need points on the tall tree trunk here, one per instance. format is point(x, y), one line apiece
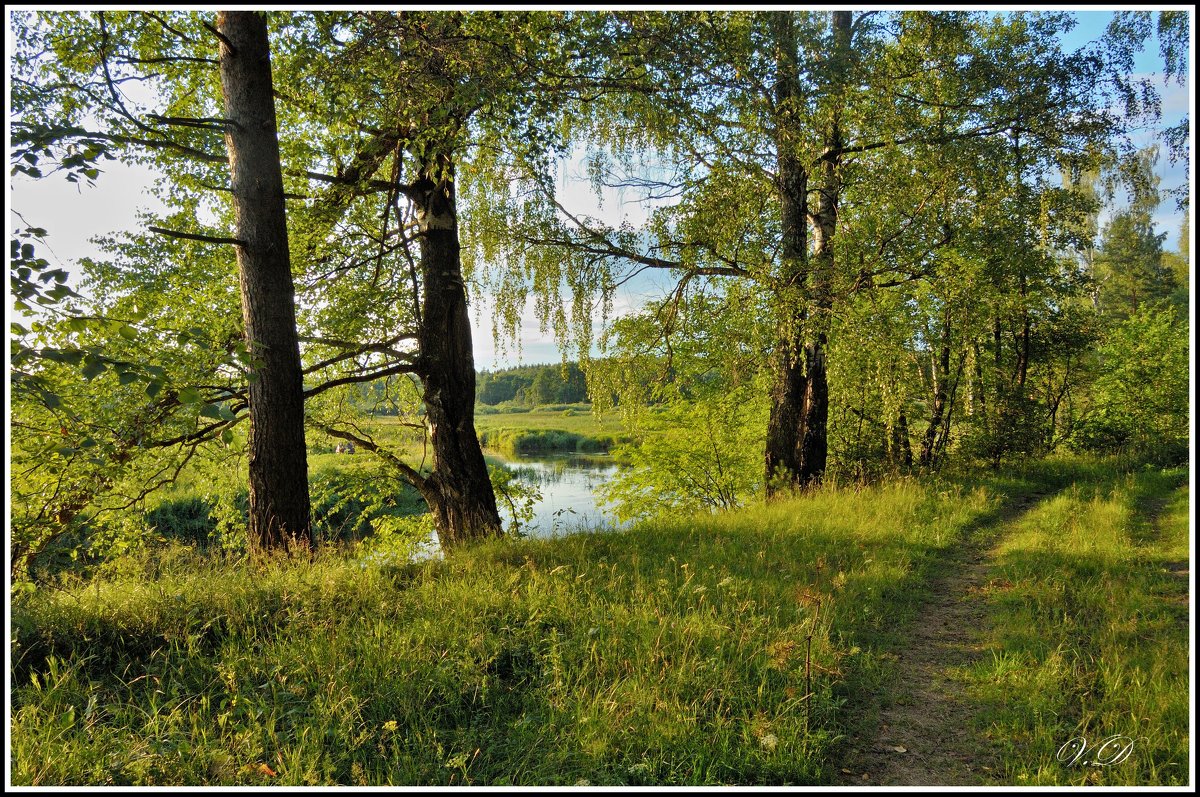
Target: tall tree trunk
point(899, 448)
point(783, 444)
point(814, 443)
point(941, 373)
point(1023, 345)
point(458, 491)
point(279, 502)
point(797, 439)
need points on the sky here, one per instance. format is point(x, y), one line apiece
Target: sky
point(74, 214)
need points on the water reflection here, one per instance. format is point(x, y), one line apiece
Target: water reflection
point(568, 505)
point(568, 484)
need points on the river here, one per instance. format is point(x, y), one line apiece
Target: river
point(569, 503)
point(568, 485)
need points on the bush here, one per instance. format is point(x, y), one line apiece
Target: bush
point(1141, 398)
point(345, 504)
point(184, 519)
point(540, 441)
point(692, 456)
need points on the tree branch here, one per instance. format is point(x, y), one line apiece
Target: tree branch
point(221, 36)
point(209, 123)
point(210, 239)
point(409, 473)
point(400, 368)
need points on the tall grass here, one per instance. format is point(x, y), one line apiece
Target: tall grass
point(670, 653)
point(518, 441)
point(1090, 636)
point(577, 419)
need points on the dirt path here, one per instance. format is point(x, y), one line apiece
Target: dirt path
point(926, 737)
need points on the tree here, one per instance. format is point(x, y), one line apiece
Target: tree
point(94, 56)
point(1180, 266)
point(279, 505)
point(543, 390)
point(458, 490)
point(773, 132)
point(347, 335)
point(427, 97)
point(1141, 400)
point(1130, 270)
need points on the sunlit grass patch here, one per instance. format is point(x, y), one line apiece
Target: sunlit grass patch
point(1090, 637)
point(671, 653)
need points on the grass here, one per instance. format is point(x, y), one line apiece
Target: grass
point(577, 419)
point(549, 430)
point(670, 653)
point(571, 428)
point(1090, 635)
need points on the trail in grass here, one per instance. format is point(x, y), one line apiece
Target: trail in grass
point(926, 737)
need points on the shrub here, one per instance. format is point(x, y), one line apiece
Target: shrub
point(345, 504)
point(1141, 398)
point(184, 519)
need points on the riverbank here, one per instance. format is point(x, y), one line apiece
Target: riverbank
point(568, 429)
point(671, 653)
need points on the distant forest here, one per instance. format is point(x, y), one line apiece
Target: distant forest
point(524, 386)
point(532, 385)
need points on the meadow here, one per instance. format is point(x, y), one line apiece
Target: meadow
point(750, 647)
point(567, 428)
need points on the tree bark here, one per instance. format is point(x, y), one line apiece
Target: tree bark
point(814, 443)
point(1023, 345)
point(940, 373)
point(797, 438)
point(899, 448)
point(458, 491)
point(279, 501)
point(783, 444)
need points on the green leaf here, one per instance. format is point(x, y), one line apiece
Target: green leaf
point(211, 411)
point(127, 332)
point(227, 436)
point(92, 369)
point(190, 395)
point(128, 377)
point(153, 387)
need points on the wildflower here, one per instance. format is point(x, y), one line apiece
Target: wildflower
point(390, 725)
point(769, 742)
